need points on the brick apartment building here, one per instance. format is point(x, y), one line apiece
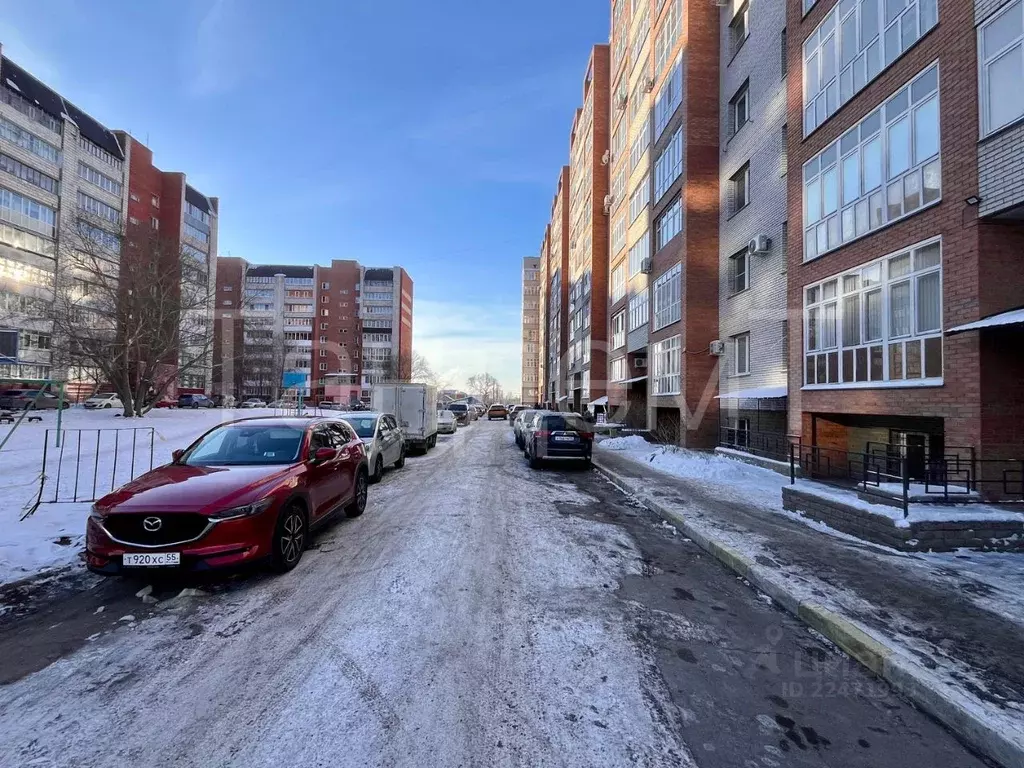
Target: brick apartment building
point(906, 211)
point(529, 384)
point(162, 203)
point(555, 304)
point(345, 326)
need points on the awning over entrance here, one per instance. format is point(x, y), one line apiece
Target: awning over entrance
point(759, 393)
point(632, 381)
point(1013, 317)
point(600, 401)
point(563, 398)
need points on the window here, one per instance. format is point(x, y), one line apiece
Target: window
point(784, 151)
point(669, 98)
point(739, 189)
point(853, 43)
point(738, 272)
point(881, 322)
point(668, 299)
point(669, 224)
point(642, 31)
point(99, 152)
point(668, 35)
point(741, 354)
point(739, 29)
point(641, 141)
point(323, 366)
point(155, 201)
point(323, 326)
point(618, 143)
point(618, 282)
point(665, 366)
point(618, 330)
point(639, 310)
point(619, 370)
point(784, 43)
point(135, 197)
point(21, 171)
point(96, 208)
point(325, 313)
point(194, 211)
point(640, 198)
point(619, 234)
point(885, 167)
point(640, 251)
point(739, 109)
point(154, 222)
point(28, 108)
point(26, 140)
point(669, 165)
point(196, 233)
point(1001, 61)
point(25, 212)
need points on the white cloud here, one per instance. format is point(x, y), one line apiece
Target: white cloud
point(460, 339)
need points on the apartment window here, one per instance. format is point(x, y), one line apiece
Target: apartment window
point(642, 31)
point(21, 171)
point(640, 198)
point(669, 224)
point(882, 169)
point(155, 201)
point(154, 222)
point(134, 221)
point(639, 310)
point(881, 322)
point(784, 52)
point(638, 253)
point(669, 98)
point(323, 326)
point(738, 265)
point(741, 354)
point(25, 212)
point(853, 43)
point(739, 109)
point(135, 197)
point(619, 234)
point(324, 299)
point(325, 313)
point(619, 330)
point(668, 36)
point(323, 367)
point(739, 189)
point(1001, 61)
point(784, 151)
point(196, 234)
point(668, 300)
point(196, 213)
point(666, 359)
point(739, 29)
point(618, 370)
point(99, 152)
point(619, 138)
point(640, 144)
point(669, 165)
point(97, 208)
point(27, 140)
point(323, 353)
point(618, 282)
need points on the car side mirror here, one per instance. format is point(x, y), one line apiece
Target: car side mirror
point(176, 455)
point(324, 454)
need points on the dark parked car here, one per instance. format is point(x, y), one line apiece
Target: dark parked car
point(20, 399)
point(195, 401)
point(462, 413)
point(245, 492)
point(558, 437)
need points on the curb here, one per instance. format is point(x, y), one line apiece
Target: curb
point(906, 677)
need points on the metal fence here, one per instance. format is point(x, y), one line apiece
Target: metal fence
point(770, 445)
point(90, 463)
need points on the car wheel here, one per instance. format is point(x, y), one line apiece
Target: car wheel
point(358, 505)
point(108, 405)
point(378, 469)
point(534, 461)
point(289, 540)
point(400, 462)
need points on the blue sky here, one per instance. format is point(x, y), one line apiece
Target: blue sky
point(422, 134)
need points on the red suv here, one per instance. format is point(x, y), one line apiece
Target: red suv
point(247, 491)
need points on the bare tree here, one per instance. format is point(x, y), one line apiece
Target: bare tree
point(423, 372)
point(487, 387)
point(138, 320)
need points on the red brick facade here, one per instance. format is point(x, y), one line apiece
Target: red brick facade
point(335, 291)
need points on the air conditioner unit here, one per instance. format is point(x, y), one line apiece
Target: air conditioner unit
point(760, 244)
point(640, 362)
point(645, 266)
point(609, 200)
point(649, 84)
point(606, 157)
point(717, 348)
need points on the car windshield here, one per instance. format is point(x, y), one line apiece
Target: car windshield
point(246, 445)
point(445, 415)
point(363, 425)
point(458, 408)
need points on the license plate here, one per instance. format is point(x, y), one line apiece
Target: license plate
point(151, 559)
point(564, 439)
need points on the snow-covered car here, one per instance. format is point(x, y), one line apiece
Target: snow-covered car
point(253, 402)
point(446, 424)
point(521, 424)
point(23, 399)
point(382, 438)
point(104, 400)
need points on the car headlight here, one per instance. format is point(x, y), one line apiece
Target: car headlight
point(95, 512)
point(244, 511)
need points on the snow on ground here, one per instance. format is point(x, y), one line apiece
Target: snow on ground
point(53, 536)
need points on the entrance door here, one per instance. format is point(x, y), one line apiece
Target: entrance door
point(913, 446)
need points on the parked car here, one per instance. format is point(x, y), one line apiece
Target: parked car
point(194, 401)
point(558, 437)
point(165, 404)
point(21, 399)
point(513, 410)
point(476, 411)
point(328, 405)
point(497, 411)
point(104, 400)
point(253, 402)
point(462, 414)
point(382, 439)
point(224, 401)
point(249, 491)
point(521, 424)
point(446, 423)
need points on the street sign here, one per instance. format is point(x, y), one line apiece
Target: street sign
point(294, 379)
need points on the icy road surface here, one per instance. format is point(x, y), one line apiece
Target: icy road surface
point(478, 614)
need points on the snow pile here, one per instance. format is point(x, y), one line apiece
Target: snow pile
point(631, 442)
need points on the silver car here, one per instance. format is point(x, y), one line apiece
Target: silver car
point(382, 439)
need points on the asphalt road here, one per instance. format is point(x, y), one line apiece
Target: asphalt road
point(478, 614)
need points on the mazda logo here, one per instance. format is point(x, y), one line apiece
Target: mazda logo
point(152, 524)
